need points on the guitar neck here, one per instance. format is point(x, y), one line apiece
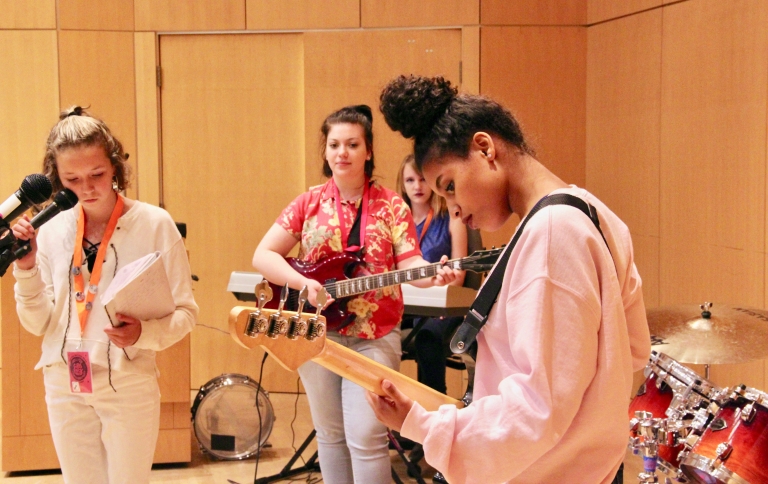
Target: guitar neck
point(369, 374)
point(359, 285)
point(292, 353)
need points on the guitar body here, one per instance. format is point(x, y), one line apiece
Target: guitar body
point(329, 270)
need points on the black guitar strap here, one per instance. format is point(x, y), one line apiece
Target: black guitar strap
point(464, 338)
point(354, 232)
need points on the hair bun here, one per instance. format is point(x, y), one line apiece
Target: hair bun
point(413, 104)
point(72, 111)
point(365, 110)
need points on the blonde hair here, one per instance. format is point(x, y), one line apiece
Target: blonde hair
point(439, 207)
point(77, 128)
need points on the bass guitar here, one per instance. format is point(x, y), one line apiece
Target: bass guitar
point(340, 276)
point(295, 337)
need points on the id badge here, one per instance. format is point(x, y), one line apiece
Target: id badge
point(79, 372)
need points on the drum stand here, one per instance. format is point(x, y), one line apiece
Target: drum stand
point(646, 428)
point(312, 465)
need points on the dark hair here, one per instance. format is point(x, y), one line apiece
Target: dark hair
point(76, 128)
point(441, 121)
point(359, 114)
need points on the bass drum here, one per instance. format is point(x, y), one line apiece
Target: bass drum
point(228, 422)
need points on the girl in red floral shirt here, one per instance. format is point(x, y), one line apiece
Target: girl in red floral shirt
point(352, 444)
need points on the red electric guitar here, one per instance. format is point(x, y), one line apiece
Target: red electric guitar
point(341, 277)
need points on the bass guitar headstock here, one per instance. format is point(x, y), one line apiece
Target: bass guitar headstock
point(291, 337)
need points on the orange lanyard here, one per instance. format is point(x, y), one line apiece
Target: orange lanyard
point(85, 298)
point(426, 225)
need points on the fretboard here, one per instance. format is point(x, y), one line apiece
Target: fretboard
point(359, 285)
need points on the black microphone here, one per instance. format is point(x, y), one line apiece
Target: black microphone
point(35, 188)
point(64, 200)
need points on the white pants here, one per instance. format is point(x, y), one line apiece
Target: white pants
point(351, 444)
point(106, 436)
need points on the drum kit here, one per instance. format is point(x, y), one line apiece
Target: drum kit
point(232, 417)
point(687, 429)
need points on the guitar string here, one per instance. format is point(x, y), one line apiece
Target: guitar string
point(391, 279)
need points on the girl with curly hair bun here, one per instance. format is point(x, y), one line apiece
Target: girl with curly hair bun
point(556, 355)
point(346, 213)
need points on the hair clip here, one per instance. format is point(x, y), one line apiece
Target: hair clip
point(77, 111)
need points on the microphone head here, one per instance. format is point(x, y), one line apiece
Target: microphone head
point(36, 187)
point(65, 199)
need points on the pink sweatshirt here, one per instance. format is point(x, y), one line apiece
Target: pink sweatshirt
point(555, 361)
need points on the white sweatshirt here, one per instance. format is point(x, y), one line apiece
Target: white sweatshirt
point(45, 294)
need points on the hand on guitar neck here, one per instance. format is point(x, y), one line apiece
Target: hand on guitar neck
point(340, 276)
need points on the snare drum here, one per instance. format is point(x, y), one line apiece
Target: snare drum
point(734, 447)
point(674, 396)
point(228, 423)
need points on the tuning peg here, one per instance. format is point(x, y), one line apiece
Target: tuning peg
point(257, 323)
point(277, 323)
point(315, 327)
point(297, 327)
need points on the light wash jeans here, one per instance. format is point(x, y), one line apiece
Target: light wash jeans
point(106, 436)
point(352, 445)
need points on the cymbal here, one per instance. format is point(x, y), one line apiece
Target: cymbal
point(709, 334)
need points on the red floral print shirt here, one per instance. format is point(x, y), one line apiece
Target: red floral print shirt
point(390, 237)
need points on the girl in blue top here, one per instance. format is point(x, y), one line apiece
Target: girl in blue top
point(438, 233)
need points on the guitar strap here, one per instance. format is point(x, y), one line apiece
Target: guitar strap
point(463, 340)
point(354, 232)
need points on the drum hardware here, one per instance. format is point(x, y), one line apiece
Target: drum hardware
point(278, 325)
point(730, 450)
point(257, 323)
point(708, 334)
point(232, 417)
point(667, 417)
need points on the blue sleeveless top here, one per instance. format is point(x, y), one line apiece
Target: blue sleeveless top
point(437, 241)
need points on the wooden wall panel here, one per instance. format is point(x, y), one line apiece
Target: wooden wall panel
point(96, 14)
point(623, 118)
point(97, 70)
point(539, 73)
point(333, 82)
point(302, 14)
point(233, 148)
point(713, 160)
point(419, 13)
point(147, 159)
point(29, 102)
point(29, 14)
point(470, 60)
point(602, 10)
point(533, 12)
point(169, 15)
